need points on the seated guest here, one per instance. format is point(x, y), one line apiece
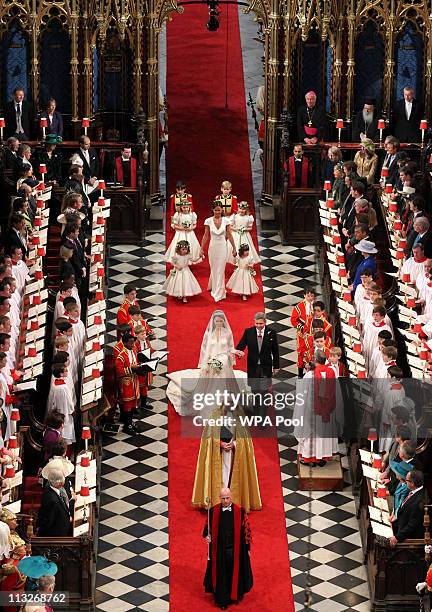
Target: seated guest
point(55, 120)
point(367, 160)
point(54, 520)
point(311, 120)
point(51, 158)
point(391, 145)
point(334, 156)
point(299, 168)
point(409, 522)
point(90, 160)
point(346, 198)
point(126, 168)
point(407, 114)
point(353, 257)
point(15, 235)
point(365, 123)
point(10, 150)
point(416, 208)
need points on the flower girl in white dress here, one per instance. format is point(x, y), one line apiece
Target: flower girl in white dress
point(241, 227)
point(181, 283)
point(184, 224)
point(242, 279)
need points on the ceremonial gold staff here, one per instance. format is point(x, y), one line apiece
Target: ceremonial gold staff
point(208, 502)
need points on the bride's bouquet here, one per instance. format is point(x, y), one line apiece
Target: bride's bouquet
point(215, 365)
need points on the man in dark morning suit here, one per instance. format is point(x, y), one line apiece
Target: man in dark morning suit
point(391, 145)
point(407, 114)
point(54, 118)
point(90, 160)
point(19, 116)
point(10, 153)
point(14, 235)
point(409, 522)
point(54, 520)
point(262, 358)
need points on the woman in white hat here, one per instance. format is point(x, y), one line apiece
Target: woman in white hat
point(368, 250)
point(366, 160)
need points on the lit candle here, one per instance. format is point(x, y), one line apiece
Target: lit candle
point(43, 123)
point(339, 127)
point(85, 124)
point(327, 188)
point(423, 127)
point(42, 170)
point(381, 127)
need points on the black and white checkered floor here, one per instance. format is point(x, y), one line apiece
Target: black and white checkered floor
point(133, 563)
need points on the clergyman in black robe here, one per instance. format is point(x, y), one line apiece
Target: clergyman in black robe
point(229, 572)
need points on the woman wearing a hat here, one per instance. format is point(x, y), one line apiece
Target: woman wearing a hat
point(366, 160)
point(400, 469)
point(368, 250)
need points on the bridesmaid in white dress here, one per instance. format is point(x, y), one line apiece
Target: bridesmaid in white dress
point(217, 229)
point(184, 224)
point(181, 283)
point(241, 227)
point(242, 281)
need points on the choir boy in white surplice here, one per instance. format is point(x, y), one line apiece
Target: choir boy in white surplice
point(376, 358)
point(414, 266)
point(366, 279)
point(315, 410)
point(78, 337)
point(60, 399)
point(371, 331)
point(393, 396)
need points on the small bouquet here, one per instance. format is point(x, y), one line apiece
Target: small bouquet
point(215, 364)
point(241, 231)
point(186, 224)
point(252, 272)
point(173, 272)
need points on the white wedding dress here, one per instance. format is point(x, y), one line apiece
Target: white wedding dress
point(187, 388)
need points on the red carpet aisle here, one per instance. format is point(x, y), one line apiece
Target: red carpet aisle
point(208, 144)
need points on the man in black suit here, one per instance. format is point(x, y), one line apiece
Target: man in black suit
point(391, 145)
point(90, 160)
point(10, 153)
point(14, 236)
point(366, 122)
point(262, 359)
point(55, 519)
point(19, 116)
point(407, 114)
point(55, 120)
point(409, 522)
